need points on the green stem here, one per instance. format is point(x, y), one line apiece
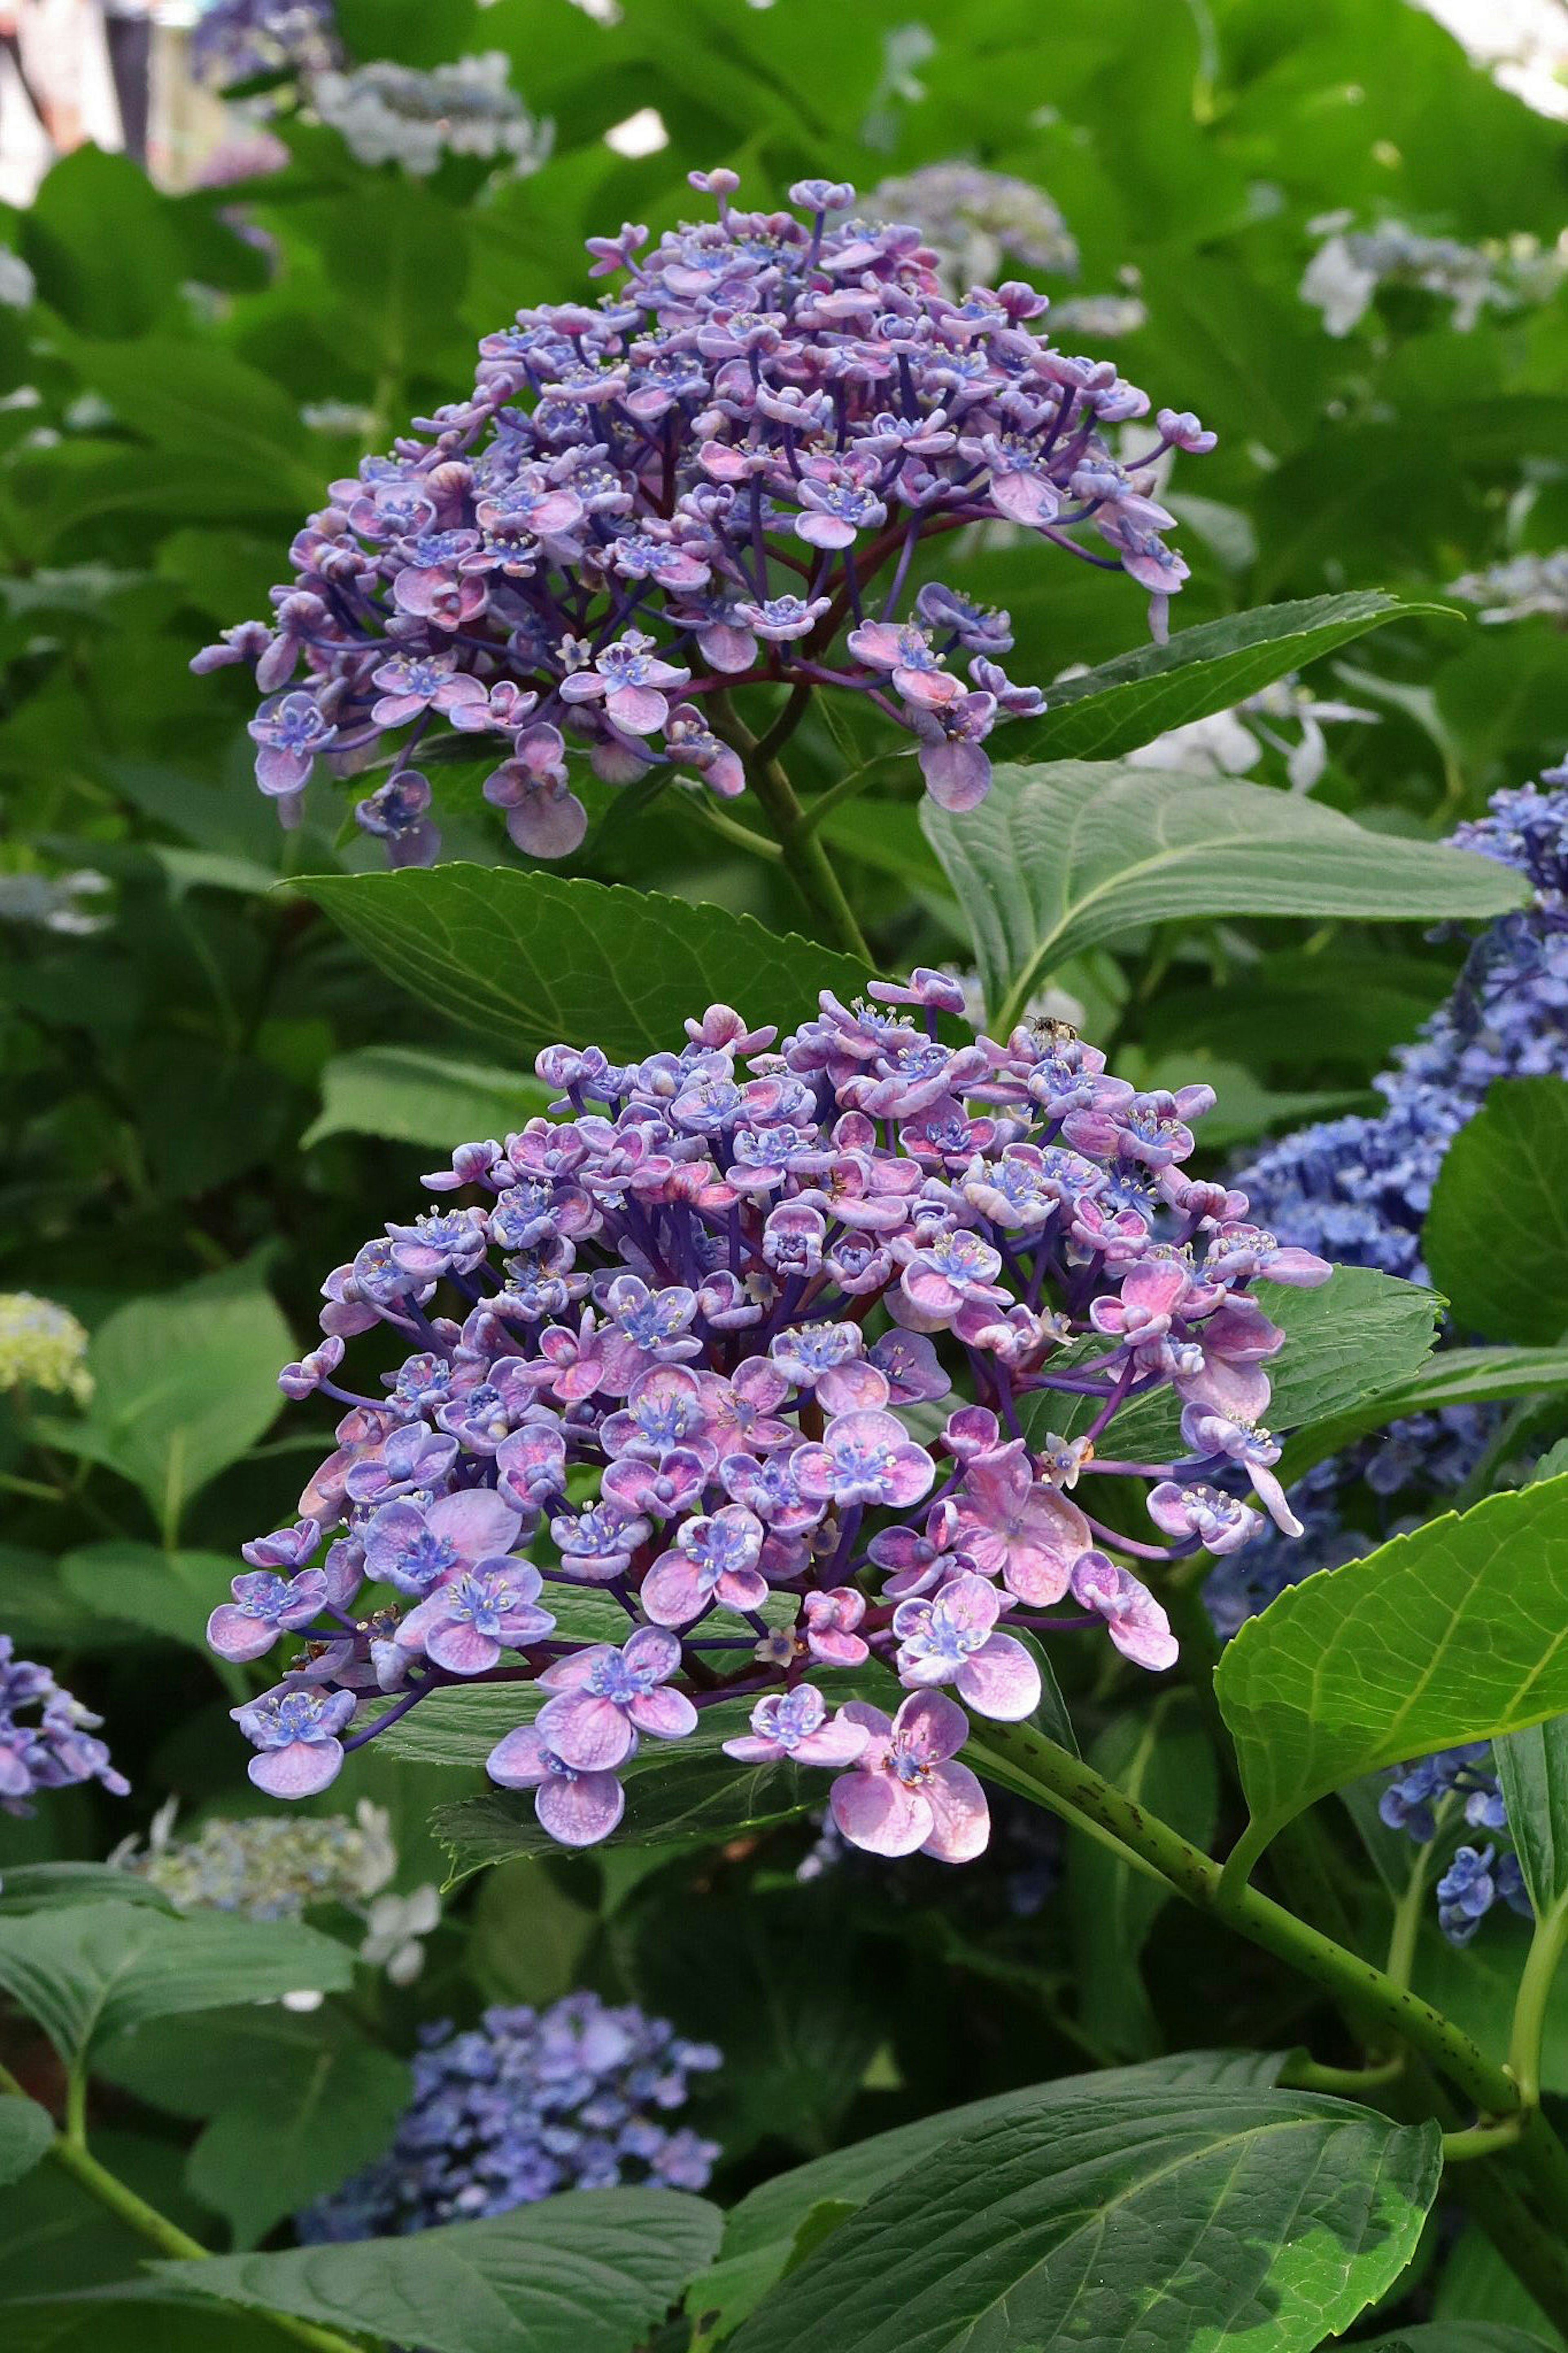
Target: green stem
point(68, 2150)
point(1067, 1785)
point(1481, 2140)
point(806, 861)
point(1301, 2074)
point(1546, 1949)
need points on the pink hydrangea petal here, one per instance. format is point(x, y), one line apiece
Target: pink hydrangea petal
point(233, 1633)
point(835, 1744)
point(479, 1522)
point(1001, 1680)
point(672, 1593)
point(748, 1748)
point(931, 1727)
point(572, 1672)
point(652, 1648)
point(642, 710)
point(668, 1715)
point(960, 1815)
point(301, 1770)
point(877, 1813)
point(589, 1734)
point(458, 1645)
point(741, 1589)
point(517, 1760)
point(582, 1811)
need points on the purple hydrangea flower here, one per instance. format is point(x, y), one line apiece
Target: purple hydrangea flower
point(527, 2104)
point(662, 1349)
point(717, 477)
point(46, 1736)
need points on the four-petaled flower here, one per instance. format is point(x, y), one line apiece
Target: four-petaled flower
point(904, 1794)
point(604, 1697)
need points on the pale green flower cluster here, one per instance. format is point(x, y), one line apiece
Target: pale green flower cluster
point(42, 1346)
point(269, 1866)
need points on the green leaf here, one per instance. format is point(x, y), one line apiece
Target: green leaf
point(1495, 1236)
point(172, 1594)
point(1452, 1377)
point(185, 1384)
point(1456, 2337)
point(1057, 860)
point(1478, 2287)
point(25, 2132)
point(1433, 1639)
point(1162, 1758)
point(1477, 1985)
point(48, 1886)
point(293, 2104)
point(1191, 2223)
point(1353, 1338)
point(1532, 1767)
point(590, 2272)
point(760, 2234)
point(185, 395)
point(532, 959)
point(1127, 702)
point(97, 1969)
point(413, 1095)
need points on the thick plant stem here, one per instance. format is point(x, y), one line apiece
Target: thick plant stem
point(1541, 1967)
point(806, 861)
point(72, 2156)
point(1036, 1767)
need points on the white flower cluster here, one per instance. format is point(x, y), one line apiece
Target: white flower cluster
point(1231, 742)
point(389, 113)
point(1519, 587)
point(17, 285)
point(42, 1346)
point(1347, 269)
point(50, 901)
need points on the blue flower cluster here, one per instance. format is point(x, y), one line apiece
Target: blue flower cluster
point(48, 1749)
point(1357, 1190)
point(526, 2103)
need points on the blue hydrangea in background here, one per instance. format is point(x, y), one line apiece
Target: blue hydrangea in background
point(1357, 1190)
point(528, 2103)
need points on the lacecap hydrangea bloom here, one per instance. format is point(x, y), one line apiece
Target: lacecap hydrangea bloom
point(265, 1866)
point(975, 220)
point(389, 113)
point(1358, 1190)
point(42, 1346)
point(1519, 588)
point(47, 1737)
point(524, 2105)
point(1348, 268)
point(768, 1352)
point(717, 476)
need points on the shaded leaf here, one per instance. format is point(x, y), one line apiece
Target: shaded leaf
point(1495, 1236)
point(25, 2132)
point(414, 1095)
point(1532, 1767)
point(1452, 1377)
point(532, 959)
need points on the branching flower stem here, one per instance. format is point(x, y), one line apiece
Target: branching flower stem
point(68, 2150)
point(808, 862)
point(1025, 1762)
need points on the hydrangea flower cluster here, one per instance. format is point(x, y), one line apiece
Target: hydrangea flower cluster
point(264, 1866)
point(975, 222)
point(1358, 1189)
point(526, 2103)
point(46, 1736)
point(235, 40)
point(389, 113)
point(52, 903)
point(717, 476)
point(761, 1349)
point(1519, 588)
point(1345, 273)
point(42, 1346)
point(1417, 1799)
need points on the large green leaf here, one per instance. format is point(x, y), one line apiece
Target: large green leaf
point(1495, 1236)
point(96, 1969)
point(293, 2102)
point(1059, 858)
point(591, 2272)
point(760, 2233)
point(1532, 1767)
point(1456, 2337)
point(1457, 1632)
point(1160, 1757)
point(414, 1095)
point(1452, 1377)
point(1260, 2219)
point(1110, 710)
point(531, 958)
point(165, 1593)
point(1478, 2288)
point(25, 2132)
point(185, 1384)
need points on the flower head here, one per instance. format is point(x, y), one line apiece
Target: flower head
point(699, 482)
